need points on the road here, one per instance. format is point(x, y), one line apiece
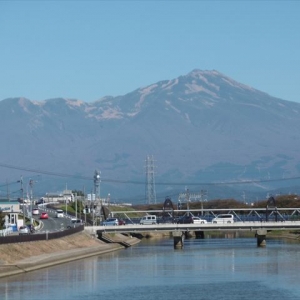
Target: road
point(52, 223)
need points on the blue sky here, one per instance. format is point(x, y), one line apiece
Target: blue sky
point(90, 49)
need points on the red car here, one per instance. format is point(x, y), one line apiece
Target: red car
point(44, 215)
point(121, 222)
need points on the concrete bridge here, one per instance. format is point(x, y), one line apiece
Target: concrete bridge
point(259, 228)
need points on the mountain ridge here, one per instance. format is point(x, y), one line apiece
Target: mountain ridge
point(193, 125)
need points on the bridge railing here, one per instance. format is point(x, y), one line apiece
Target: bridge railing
point(240, 214)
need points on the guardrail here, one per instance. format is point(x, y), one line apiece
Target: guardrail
point(40, 236)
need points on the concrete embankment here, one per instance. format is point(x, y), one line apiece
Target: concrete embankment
point(24, 257)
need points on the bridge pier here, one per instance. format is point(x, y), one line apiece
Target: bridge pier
point(261, 237)
point(178, 237)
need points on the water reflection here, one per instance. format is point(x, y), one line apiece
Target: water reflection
point(232, 266)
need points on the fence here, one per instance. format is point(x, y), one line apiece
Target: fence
point(39, 236)
point(6, 231)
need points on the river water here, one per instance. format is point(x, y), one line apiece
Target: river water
point(211, 268)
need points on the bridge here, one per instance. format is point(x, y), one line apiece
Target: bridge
point(260, 229)
point(240, 214)
point(258, 220)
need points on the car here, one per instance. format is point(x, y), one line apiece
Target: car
point(44, 215)
point(76, 221)
point(148, 220)
point(110, 221)
point(197, 220)
point(35, 211)
point(185, 220)
point(24, 230)
point(59, 213)
point(40, 201)
point(121, 222)
point(191, 220)
point(223, 219)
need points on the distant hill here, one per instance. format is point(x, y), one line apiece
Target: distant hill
point(203, 129)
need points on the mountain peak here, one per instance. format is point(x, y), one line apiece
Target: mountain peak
point(214, 76)
point(197, 72)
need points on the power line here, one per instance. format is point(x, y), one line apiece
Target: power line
point(141, 182)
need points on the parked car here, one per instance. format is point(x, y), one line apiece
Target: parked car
point(110, 221)
point(44, 215)
point(24, 230)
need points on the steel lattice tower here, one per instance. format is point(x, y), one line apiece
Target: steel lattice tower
point(150, 182)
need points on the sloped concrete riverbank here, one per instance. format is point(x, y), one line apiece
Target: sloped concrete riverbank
point(19, 258)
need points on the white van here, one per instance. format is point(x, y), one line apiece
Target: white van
point(59, 213)
point(148, 220)
point(223, 219)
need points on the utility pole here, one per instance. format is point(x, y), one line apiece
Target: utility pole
point(31, 199)
point(22, 197)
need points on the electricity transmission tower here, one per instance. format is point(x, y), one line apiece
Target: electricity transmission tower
point(150, 182)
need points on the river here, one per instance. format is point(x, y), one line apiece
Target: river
point(211, 268)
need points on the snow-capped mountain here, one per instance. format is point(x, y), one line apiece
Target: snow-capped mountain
point(202, 128)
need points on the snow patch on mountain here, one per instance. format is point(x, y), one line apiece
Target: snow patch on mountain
point(23, 104)
point(170, 84)
point(112, 113)
point(235, 84)
point(187, 117)
point(169, 105)
point(195, 88)
point(200, 75)
point(74, 102)
point(144, 93)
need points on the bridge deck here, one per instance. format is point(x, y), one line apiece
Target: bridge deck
point(237, 226)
